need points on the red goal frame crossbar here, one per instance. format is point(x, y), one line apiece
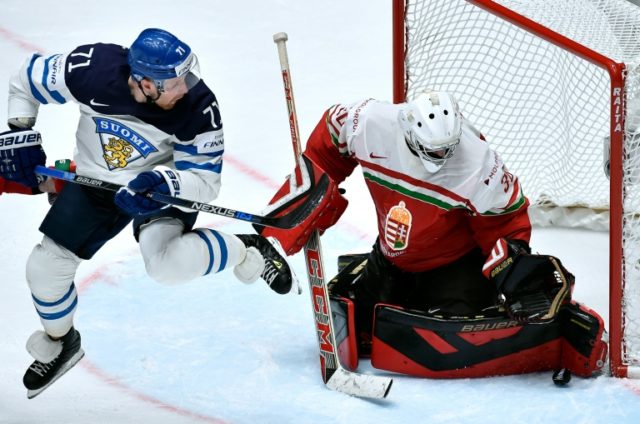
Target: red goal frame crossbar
point(618, 97)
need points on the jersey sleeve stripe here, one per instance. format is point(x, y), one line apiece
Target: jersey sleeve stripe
point(522, 201)
point(183, 165)
point(516, 193)
point(54, 94)
point(42, 75)
point(336, 117)
point(193, 150)
point(36, 94)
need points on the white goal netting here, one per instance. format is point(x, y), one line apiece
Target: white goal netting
point(544, 109)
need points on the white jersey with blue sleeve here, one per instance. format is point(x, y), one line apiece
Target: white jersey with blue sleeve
point(117, 137)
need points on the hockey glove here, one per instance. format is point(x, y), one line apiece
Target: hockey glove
point(290, 197)
point(20, 152)
point(132, 199)
point(532, 287)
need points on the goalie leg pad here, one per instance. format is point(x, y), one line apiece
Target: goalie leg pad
point(584, 350)
point(342, 296)
point(419, 344)
point(344, 326)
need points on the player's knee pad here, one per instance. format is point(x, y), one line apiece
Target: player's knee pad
point(50, 272)
point(175, 261)
point(172, 257)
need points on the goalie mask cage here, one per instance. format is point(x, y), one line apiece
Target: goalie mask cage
point(555, 88)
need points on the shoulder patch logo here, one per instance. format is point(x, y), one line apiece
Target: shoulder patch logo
point(397, 227)
point(121, 145)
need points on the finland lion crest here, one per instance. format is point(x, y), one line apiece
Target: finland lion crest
point(120, 144)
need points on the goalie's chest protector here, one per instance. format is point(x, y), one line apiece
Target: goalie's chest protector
point(422, 217)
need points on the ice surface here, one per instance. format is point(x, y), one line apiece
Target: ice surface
point(215, 350)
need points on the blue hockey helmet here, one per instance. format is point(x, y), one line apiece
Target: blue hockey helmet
point(159, 55)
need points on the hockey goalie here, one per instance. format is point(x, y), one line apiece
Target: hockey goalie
point(451, 287)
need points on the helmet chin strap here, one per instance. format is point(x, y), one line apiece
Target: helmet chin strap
point(150, 100)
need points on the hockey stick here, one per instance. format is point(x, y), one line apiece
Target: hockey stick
point(334, 375)
point(286, 221)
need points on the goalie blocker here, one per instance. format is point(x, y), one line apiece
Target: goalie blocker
point(292, 196)
point(428, 345)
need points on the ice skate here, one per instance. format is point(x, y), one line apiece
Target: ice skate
point(53, 358)
point(276, 272)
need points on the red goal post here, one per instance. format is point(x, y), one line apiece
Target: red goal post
point(548, 82)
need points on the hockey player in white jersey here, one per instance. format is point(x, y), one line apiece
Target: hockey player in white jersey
point(451, 288)
point(149, 122)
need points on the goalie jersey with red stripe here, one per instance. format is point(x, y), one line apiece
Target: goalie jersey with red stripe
point(117, 137)
point(425, 220)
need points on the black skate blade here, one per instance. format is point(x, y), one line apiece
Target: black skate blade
point(63, 370)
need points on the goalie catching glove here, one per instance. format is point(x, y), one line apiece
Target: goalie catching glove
point(290, 197)
point(532, 287)
point(20, 152)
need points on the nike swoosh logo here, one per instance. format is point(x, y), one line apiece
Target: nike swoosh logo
point(374, 156)
point(92, 102)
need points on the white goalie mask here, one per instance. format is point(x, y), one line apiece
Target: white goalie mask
point(432, 127)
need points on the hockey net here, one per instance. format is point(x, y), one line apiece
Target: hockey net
point(555, 88)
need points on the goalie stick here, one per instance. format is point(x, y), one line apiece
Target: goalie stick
point(286, 221)
point(334, 375)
